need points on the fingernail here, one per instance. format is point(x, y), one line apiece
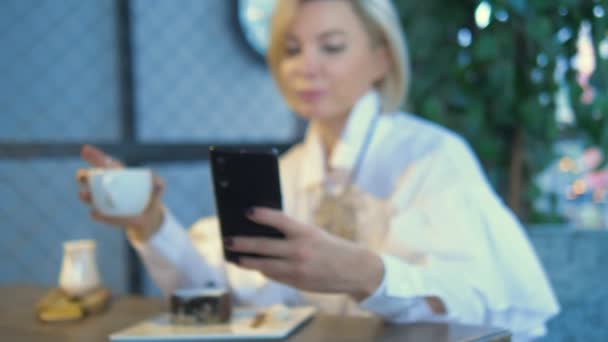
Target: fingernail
point(157, 187)
point(228, 241)
point(250, 211)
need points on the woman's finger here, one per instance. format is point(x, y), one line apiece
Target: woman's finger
point(113, 220)
point(98, 158)
point(85, 196)
point(273, 268)
point(158, 187)
point(82, 177)
point(261, 246)
point(275, 218)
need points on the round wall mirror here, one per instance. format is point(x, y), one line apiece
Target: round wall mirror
point(254, 19)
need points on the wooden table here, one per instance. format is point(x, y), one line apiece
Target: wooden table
point(18, 323)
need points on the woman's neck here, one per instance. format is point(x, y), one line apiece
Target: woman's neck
point(329, 133)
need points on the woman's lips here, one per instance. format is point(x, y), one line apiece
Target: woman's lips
point(310, 95)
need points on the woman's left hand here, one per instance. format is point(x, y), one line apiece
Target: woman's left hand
point(309, 258)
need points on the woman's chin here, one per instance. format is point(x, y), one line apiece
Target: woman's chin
point(312, 112)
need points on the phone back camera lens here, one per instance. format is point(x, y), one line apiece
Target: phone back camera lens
point(224, 184)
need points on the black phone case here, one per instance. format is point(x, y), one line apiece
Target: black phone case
point(243, 179)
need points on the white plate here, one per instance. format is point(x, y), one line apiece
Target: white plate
point(160, 328)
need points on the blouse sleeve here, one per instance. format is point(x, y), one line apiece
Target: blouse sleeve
point(455, 239)
point(179, 258)
point(173, 260)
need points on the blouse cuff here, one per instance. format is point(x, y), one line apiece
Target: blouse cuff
point(377, 298)
point(166, 241)
point(397, 307)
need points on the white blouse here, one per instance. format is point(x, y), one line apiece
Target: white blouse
point(426, 209)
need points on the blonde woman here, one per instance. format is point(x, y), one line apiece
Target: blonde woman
point(385, 214)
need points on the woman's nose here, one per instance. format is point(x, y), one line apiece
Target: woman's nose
point(308, 63)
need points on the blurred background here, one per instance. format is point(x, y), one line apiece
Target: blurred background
point(155, 82)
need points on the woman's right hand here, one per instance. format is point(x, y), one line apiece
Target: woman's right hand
point(139, 228)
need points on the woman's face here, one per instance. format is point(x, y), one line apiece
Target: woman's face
point(330, 61)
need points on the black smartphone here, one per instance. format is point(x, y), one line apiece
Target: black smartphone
point(243, 178)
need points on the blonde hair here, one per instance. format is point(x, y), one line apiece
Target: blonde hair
point(381, 22)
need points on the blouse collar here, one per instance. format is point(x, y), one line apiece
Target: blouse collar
point(348, 146)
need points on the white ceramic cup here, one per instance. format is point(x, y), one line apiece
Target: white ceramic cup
point(120, 192)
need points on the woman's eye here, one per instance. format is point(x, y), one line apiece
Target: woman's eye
point(335, 48)
point(292, 50)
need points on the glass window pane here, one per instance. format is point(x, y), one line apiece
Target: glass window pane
point(59, 69)
point(196, 80)
point(40, 210)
